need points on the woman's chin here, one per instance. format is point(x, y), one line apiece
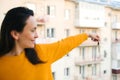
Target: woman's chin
point(31, 46)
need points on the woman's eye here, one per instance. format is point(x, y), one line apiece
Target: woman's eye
point(32, 30)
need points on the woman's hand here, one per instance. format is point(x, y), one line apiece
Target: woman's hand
point(94, 37)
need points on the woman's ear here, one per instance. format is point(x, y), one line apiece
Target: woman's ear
point(15, 34)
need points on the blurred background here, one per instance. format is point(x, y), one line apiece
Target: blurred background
point(58, 19)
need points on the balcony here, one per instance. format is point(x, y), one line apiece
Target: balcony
point(85, 18)
point(116, 71)
point(115, 40)
point(89, 42)
point(116, 25)
point(96, 60)
point(116, 50)
point(41, 21)
point(80, 23)
point(88, 78)
point(116, 66)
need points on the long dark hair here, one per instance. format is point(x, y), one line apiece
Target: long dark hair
point(15, 19)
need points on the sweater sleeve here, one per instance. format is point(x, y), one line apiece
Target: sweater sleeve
point(54, 51)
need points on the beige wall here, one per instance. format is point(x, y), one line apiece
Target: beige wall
point(60, 24)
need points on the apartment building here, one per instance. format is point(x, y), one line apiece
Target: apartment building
point(115, 15)
point(92, 17)
point(64, 18)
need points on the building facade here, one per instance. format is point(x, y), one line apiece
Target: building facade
point(58, 19)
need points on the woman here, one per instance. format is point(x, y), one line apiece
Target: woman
point(20, 57)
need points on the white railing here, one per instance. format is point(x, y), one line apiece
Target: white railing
point(90, 61)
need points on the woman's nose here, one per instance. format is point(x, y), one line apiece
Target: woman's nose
point(36, 35)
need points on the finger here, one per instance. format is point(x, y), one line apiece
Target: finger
point(97, 36)
point(95, 39)
point(98, 43)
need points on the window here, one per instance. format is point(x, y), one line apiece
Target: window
point(116, 35)
point(82, 71)
point(50, 32)
point(66, 71)
point(105, 54)
point(94, 69)
point(67, 14)
point(105, 24)
point(94, 31)
point(115, 77)
point(115, 19)
point(48, 10)
point(82, 30)
point(94, 53)
point(105, 72)
point(51, 10)
point(118, 65)
point(80, 51)
point(83, 53)
point(67, 32)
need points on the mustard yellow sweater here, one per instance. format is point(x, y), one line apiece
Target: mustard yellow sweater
point(19, 68)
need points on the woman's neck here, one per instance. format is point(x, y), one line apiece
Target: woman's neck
point(15, 51)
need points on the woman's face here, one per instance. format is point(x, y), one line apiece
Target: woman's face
point(27, 37)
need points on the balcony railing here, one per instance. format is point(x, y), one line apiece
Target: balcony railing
point(97, 77)
point(116, 50)
point(42, 20)
point(116, 71)
point(88, 23)
point(87, 62)
point(89, 42)
point(116, 25)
